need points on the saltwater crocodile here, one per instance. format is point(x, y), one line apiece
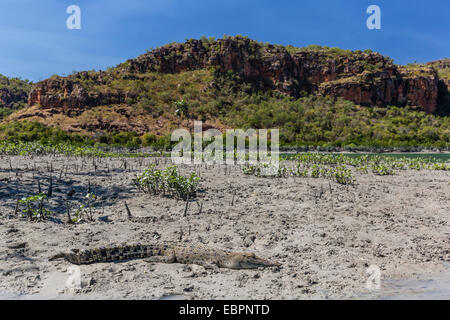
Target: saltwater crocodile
point(168, 253)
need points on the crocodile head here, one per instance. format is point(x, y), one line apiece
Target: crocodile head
point(247, 261)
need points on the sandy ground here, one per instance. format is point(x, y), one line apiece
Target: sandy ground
point(325, 235)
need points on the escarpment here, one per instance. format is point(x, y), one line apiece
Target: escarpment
point(366, 78)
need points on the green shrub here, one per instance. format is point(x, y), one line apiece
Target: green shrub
point(128, 139)
point(168, 182)
point(34, 207)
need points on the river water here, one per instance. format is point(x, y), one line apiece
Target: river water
point(412, 289)
point(400, 289)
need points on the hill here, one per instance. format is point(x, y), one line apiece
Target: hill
point(315, 95)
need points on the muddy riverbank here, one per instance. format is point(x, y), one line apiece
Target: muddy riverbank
point(324, 234)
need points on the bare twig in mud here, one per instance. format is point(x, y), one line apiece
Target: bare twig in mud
point(232, 200)
point(50, 186)
point(29, 211)
point(200, 206)
point(90, 210)
point(16, 209)
point(60, 174)
point(128, 210)
point(39, 187)
point(181, 234)
point(71, 192)
point(69, 218)
point(41, 206)
point(186, 208)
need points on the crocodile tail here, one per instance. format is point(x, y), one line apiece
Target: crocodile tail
point(117, 253)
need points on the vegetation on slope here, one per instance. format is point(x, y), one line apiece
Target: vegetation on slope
point(157, 103)
point(13, 94)
point(308, 121)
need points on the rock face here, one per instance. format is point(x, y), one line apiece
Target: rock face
point(442, 67)
point(384, 89)
point(66, 95)
point(365, 78)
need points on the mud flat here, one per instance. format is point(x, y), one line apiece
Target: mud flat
point(325, 234)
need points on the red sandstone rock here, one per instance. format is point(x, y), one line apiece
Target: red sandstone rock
point(364, 78)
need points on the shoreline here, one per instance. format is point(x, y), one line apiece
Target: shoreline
point(363, 150)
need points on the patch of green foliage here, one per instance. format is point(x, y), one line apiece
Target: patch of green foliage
point(18, 89)
point(85, 210)
point(333, 51)
point(323, 121)
point(341, 174)
point(23, 131)
point(339, 167)
point(67, 149)
point(168, 182)
point(34, 207)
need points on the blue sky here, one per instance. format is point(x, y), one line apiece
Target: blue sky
point(36, 44)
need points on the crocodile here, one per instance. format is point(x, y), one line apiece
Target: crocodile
point(168, 253)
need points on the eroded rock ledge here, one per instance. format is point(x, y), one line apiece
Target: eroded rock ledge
point(365, 78)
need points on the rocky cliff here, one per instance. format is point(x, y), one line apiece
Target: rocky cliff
point(68, 95)
point(365, 78)
point(442, 68)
